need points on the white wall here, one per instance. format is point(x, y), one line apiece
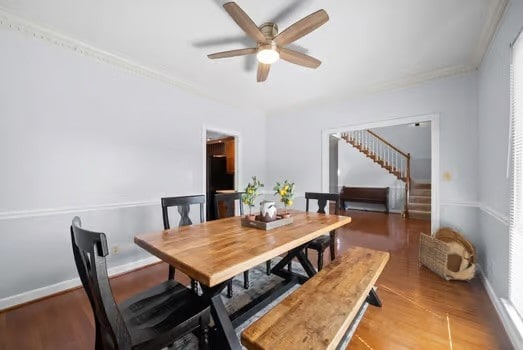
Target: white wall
point(333, 164)
point(357, 170)
point(413, 140)
point(494, 186)
point(455, 100)
point(79, 137)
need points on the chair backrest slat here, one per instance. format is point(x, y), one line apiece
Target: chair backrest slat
point(322, 199)
point(228, 200)
point(89, 250)
point(183, 204)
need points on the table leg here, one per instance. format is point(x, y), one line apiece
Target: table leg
point(373, 298)
point(226, 336)
point(298, 253)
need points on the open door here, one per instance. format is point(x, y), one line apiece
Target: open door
point(220, 167)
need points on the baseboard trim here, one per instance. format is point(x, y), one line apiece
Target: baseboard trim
point(510, 327)
point(61, 287)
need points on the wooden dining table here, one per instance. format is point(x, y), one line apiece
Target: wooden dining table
point(216, 251)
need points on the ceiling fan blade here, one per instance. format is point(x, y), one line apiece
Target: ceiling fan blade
point(244, 21)
point(232, 53)
point(303, 27)
point(263, 72)
point(299, 58)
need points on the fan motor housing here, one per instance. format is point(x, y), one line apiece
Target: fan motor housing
point(269, 29)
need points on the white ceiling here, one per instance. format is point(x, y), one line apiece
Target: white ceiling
point(366, 45)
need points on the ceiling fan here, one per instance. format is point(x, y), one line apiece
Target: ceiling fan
point(270, 44)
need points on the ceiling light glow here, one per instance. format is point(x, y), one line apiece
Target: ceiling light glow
point(268, 56)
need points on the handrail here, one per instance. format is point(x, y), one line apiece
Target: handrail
point(389, 144)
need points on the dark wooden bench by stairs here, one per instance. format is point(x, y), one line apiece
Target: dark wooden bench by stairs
point(318, 314)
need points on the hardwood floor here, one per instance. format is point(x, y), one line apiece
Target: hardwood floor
point(419, 308)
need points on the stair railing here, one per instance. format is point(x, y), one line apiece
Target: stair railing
point(384, 153)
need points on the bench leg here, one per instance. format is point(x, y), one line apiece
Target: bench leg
point(373, 298)
point(268, 263)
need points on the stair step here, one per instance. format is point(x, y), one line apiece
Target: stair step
point(419, 199)
point(418, 214)
point(420, 206)
point(421, 186)
point(420, 192)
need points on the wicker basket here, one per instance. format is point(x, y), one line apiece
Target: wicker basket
point(448, 235)
point(448, 254)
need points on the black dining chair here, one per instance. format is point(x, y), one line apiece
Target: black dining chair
point(224, 207)
point(323, 242)
point(183, 204)
point(152, 319)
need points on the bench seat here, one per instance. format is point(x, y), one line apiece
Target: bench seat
point(318, 314)
point(373, 195)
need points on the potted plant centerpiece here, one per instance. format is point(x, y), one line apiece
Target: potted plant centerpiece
point(286, 192)
point(251, 192)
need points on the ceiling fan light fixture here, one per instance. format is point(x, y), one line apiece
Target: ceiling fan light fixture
point(267, 56)
point(268, 53)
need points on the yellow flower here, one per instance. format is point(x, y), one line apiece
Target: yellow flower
point(282, 192)
point(249, 191)
point(289, 202)
point(286, 188)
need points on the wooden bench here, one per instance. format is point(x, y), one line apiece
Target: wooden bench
point(318, 314)
point(374, 195)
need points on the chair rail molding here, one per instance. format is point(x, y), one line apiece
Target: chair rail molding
point(460, 204)
point(502, 218)
point(20, 214)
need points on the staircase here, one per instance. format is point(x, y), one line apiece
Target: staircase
point(419, 200)
point(390, 158)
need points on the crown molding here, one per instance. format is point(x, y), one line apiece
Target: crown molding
point(13, 22)
point(16, 23)
point(489, 31)
point(398, 84)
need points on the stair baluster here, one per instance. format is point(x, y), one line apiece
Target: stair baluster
point(395, 161)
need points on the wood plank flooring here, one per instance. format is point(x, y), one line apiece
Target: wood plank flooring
point(416, 302)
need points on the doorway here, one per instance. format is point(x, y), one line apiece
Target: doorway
point(385, 169)
point(221, 171)
point(425, 121)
